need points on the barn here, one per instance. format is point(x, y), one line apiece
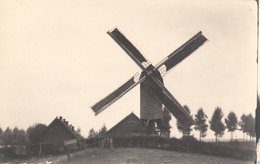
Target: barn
point(59, 130)
point(131, 125)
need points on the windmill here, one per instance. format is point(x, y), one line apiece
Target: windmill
point(153, 94)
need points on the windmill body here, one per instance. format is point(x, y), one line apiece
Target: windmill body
point(153, 94)
point(150, 106)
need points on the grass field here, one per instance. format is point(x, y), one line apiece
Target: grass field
point(152, 150)
point(145, 156)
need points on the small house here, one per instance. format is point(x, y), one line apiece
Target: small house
point(58, 132)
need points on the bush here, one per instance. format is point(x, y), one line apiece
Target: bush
point(228, 151)
point(186, 144)
point(7, 154)
point(93, 141)
point(139, 141)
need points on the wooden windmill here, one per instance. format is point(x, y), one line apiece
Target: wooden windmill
point(153, 93)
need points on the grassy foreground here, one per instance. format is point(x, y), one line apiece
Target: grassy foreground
point(145, 156)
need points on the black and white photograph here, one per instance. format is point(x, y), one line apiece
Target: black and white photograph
point(129, 82)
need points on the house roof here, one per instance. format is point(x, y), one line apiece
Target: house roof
point(66, 126)
point(126, 126)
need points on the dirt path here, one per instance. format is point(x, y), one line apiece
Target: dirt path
point(147, 156)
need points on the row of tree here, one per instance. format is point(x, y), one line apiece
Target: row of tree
point(246, 124)
point(93, 133)
point(21, 137)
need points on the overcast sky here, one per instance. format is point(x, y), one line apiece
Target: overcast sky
point(57, 60)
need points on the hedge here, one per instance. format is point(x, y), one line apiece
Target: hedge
point(185, 144)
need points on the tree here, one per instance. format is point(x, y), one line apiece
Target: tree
point(250, 125)
point(252, 129)
point(184, 130)
point(102, 130)
point(216, 124)
point(35, 131)
point(241, 123)
point(92, 133)
point(231, 123)
point(7, 136)
point(1, 136)
point(200, 123)
point(166, 118)
point(79, 130)
point(19, 137)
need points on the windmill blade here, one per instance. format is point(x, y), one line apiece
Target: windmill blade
point(173, 106)
point(181, 53)
point(112, 97)
point(129, 48)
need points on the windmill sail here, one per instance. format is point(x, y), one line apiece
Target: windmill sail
point(181, 53)
point(153, 83)
point(173, 106)
point(129, 48)
point(112, 97)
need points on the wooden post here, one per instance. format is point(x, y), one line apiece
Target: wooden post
point(94, 145)
point(111, 143)
point(103, 143)
point(40, 150)
point(43, 158)
point(68, 153)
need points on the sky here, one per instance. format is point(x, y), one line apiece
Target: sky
point(56, 58)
